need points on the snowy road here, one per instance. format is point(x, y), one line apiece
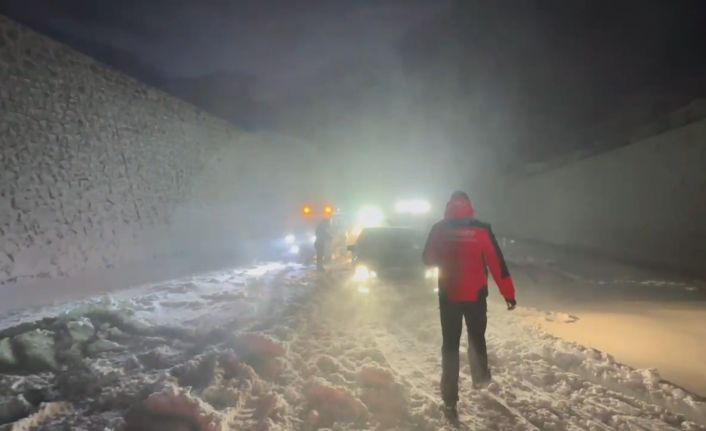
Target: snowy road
point(644, 317)
point(540, 382)
point(281, 347)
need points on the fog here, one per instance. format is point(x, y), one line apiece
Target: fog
point(370, 102)
point(166, 166)
point(404, 97)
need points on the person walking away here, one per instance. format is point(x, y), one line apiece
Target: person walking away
point(323, 242)
point(463, 249)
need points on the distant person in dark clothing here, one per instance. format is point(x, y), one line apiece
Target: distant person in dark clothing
point(323, 242)
point(463, 249)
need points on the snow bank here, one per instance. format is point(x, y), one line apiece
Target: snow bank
point(122, 363)
point(329, 360)
point(172, 408)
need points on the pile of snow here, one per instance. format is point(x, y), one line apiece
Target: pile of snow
point(129, 361)
point(329, 404)
point(321, 357)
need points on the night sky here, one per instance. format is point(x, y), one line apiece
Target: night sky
point(527, 77)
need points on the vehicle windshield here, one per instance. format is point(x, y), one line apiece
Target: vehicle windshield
point(390, 238)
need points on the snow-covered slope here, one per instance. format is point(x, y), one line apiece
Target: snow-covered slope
point(283, 348)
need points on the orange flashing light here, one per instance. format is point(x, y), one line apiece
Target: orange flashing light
point(306, 211)
point(328, 211)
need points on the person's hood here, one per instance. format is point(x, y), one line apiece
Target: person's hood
point(459, 207)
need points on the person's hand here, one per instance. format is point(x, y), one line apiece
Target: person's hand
point(511, 304)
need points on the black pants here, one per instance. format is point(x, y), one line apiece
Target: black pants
point(452, 316)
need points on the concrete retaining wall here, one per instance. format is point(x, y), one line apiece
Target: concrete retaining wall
point(95, 167)
point(645, 202)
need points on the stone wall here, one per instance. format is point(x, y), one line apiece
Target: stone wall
point(93, 164)
point(645, 202)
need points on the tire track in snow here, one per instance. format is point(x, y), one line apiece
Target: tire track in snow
point(409, 377)
point(497, 414)
point(532, 406)
point(531, 391)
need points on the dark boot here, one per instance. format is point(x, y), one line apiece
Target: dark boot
point(451, 414)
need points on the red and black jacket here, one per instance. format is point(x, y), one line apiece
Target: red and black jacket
point(463, 249)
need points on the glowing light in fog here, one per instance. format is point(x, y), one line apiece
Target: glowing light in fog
point(432, 273)
point(413, 206)
point(370, 216)
point(363, 289)
point(294, 249)
point(312, 239)
point(355, 232)
point(289, 239)
point(362, 274)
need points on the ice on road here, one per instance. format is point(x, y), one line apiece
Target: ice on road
point(284, 348)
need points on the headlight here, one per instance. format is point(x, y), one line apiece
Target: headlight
point(312, 239)
point(355, 232)
point(290, 239)
point(362, 274)
point(431, 273)
point(294, 249)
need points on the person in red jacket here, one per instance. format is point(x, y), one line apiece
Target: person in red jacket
point(463, 249)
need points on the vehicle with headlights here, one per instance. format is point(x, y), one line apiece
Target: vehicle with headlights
point(390, 254)
point(296, 246)
point(296, 243)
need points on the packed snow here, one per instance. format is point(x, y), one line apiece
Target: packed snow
point(281, 347)
point(646, 318)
